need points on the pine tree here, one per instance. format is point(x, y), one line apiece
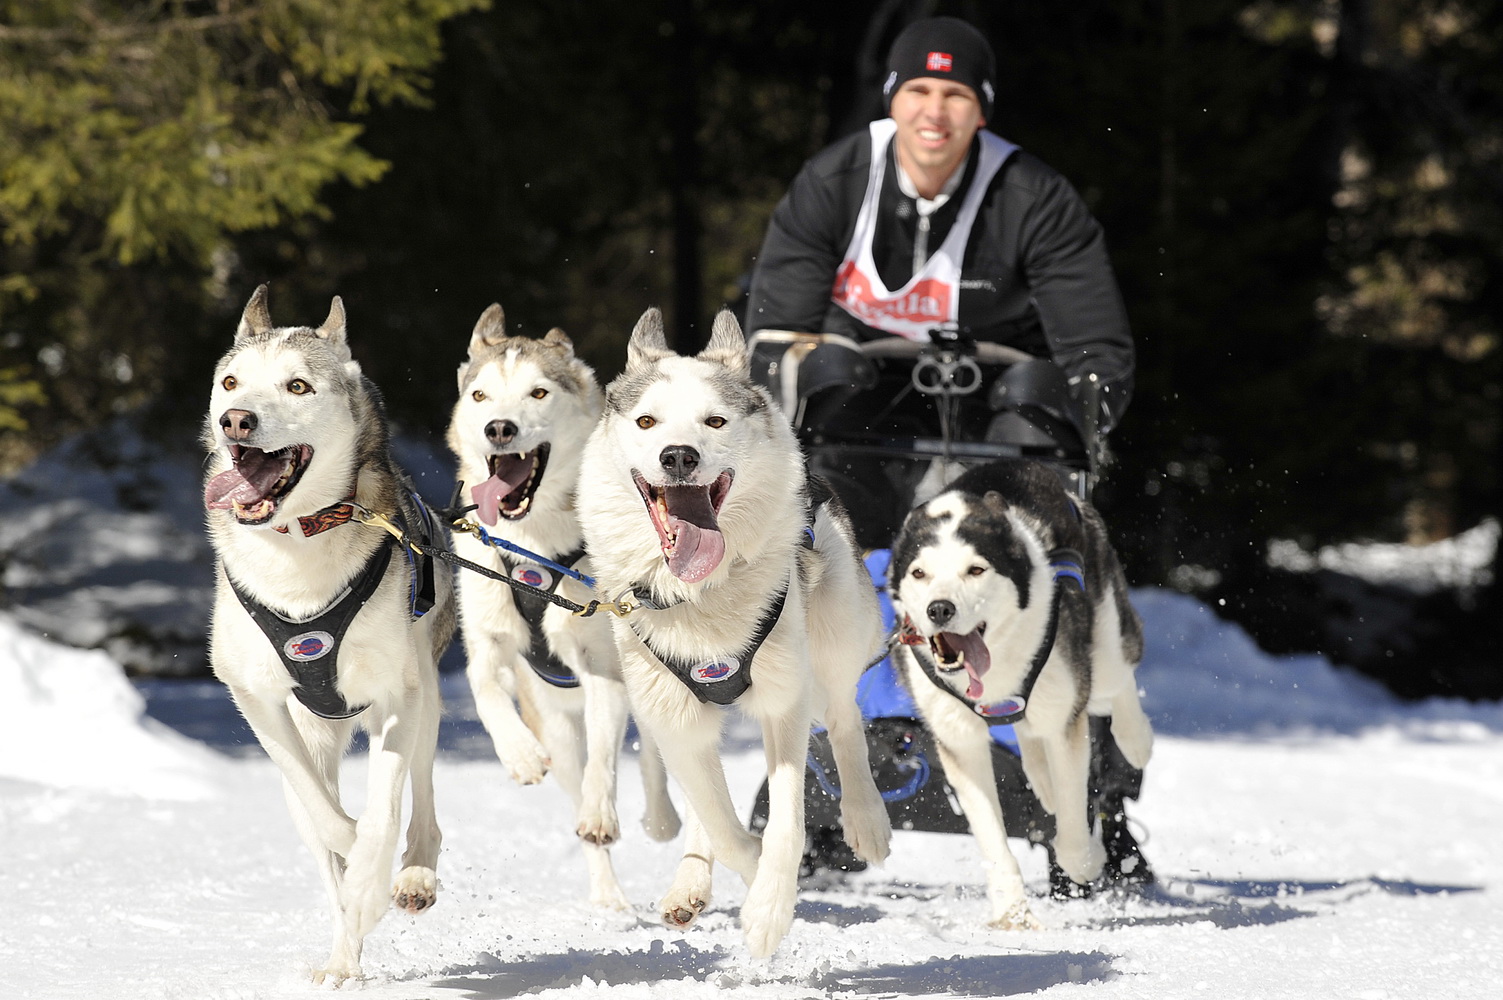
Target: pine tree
point(136, 138)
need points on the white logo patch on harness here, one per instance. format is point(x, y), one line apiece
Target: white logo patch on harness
point(533, 575)
point(715, 671)
point(308, 646)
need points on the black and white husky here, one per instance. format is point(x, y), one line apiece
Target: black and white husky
point(1015, 609)
point(694, 498)
point(525, 408)
point(322, 623)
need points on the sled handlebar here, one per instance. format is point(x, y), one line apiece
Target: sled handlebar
point(900, 348)
point(893, 348)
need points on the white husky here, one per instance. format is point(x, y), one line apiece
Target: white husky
point(1017, 611)
point(319, 623)
point(694, 497)
point(525, 408)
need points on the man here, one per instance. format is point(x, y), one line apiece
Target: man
point(926, 221)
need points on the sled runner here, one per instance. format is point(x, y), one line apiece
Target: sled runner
point(889, 423)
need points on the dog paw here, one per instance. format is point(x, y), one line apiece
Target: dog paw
point(690, 892)
point(681, 912)
point(366, 898)
point(415, 890)
point(867, 831)
point(661, 821)
point(609, 897)
point(526, 760)
point(343, 967)
point(766, 916)
point(335, 978)
point(1135, 742)
point(1017, 917)
point(602, 828)
point(1082, 862)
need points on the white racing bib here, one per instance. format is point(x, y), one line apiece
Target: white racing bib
point(932, 296)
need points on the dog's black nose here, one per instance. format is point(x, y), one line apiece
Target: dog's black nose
point(940, 612)
point(238, 424)
point(679, 459)
point(500, 431)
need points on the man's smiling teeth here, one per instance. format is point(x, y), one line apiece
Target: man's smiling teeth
point(930, 134)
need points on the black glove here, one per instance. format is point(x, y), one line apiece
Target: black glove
point(1097, 398)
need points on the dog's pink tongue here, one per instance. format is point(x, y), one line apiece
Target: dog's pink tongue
point(250, 480)
point(510, 473)
point(976, 657)
point(696, 553)
point(698, 544)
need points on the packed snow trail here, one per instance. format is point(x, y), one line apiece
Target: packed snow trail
point(1315, 838)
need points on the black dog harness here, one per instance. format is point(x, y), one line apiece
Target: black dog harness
point(531, 606)
point(308, 647)
point(1067, 567)
point(721, 681)
point(724, 679)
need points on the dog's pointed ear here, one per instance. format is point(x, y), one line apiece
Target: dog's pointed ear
point(333, 330)
point(490, 329)
point(648, 341)
point(556, 337)
point(727, 346)
point(255, 319)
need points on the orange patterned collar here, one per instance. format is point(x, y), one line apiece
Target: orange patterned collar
point(322, 520)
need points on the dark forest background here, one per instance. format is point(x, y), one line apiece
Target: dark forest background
point(1302, 200)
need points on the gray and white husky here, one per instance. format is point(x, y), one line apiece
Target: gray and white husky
point(1013, 601)
point(525, 408)
point(694, 497)
point(321, 623)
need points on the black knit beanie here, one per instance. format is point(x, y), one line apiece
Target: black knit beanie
point(947, 48)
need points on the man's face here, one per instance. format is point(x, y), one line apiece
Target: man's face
point(936, 121)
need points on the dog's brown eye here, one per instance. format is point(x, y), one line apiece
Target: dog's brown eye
point(976, 570)
point(478, 396)
point(298, 387)
point(539, 392)
point(644, 421)
point(715, 422)
point(229, 383)
point(917, 573)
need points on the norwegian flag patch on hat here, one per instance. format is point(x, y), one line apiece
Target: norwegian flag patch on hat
point(944, 47)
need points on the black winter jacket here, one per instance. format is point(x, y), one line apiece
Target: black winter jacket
point(1035, 273)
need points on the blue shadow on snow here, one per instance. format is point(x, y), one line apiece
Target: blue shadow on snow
point(491, 977)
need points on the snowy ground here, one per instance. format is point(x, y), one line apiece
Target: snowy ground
point(1315, 838)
